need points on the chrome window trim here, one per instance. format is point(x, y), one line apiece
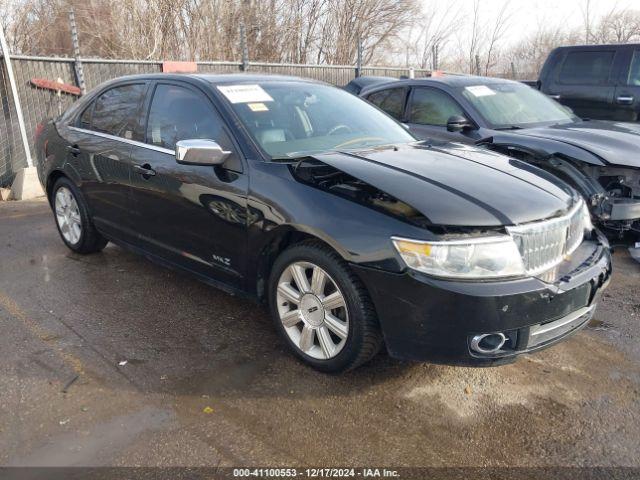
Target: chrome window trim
point(124, 140)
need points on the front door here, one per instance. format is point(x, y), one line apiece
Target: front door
point(191, 215)
point(429, 110)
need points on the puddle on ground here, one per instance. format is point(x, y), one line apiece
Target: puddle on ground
point(597, 325)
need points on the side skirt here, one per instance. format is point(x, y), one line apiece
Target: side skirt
point(177, 267)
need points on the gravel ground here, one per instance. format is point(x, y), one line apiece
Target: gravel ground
point(206, 381)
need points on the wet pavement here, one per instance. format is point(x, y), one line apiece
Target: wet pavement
point(206, 381)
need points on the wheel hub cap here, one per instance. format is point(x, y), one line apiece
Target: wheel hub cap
point(68, 215)
point(312, 310)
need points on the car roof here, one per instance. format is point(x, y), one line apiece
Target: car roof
point(463, 80)
point(451, 80)
point(369, 79)
point(217, 78)
point(603, 46)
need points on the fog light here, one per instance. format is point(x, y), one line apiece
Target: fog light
point(488, 342)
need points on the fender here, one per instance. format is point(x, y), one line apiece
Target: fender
point(575, 165)
point(541, 148)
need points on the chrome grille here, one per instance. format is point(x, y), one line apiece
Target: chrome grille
point(544, 244)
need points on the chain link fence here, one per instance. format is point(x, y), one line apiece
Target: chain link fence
point(38, 103)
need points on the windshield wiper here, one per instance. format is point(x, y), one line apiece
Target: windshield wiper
point(510, 127)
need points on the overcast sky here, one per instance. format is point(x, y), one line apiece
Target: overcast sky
point(526, 14)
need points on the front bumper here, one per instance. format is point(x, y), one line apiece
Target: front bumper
point(428, 319)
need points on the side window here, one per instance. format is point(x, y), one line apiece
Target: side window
point(634, 70)
point(85, 118)
point(391, 101)
point(178, 113)
point(432, 107)
point(116, 111)
point(586, 68)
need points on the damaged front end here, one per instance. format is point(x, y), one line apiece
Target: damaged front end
point(471, 295)
point(611, 192)
point(538, 249)
point(620, 204)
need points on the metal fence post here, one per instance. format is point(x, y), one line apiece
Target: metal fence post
point(16, 98)
point(76, 51)
point(434, 57)
point(359, 58)
point(243, 46)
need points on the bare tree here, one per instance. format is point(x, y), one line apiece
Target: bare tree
point(498, 31)
point(474, 39)
point(435, 26)
point(587, 19)
point(617, 26)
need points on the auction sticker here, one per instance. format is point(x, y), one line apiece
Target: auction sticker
point(258, 107)
point(478, 91)
point(245, 93)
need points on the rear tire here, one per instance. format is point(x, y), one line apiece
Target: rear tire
point(72, 219)
point(322, 310)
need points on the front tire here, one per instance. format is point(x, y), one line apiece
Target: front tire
point(72, 219)
point(322, 310)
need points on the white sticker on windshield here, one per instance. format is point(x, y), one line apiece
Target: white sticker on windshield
point(245, 93)
point(480, 91)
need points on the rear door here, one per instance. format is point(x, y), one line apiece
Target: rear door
point(195, 216)
point(99, 150)
point(627, 96)
point(585, 81)
point(428, 112)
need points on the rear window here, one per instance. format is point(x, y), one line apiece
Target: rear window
point(85, 118)
point(586, 68)
point(116, 111)
point(391, 101)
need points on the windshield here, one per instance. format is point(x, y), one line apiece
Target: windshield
point(290, 119)
point(508, 105)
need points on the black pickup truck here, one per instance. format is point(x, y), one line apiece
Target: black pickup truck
point(596, 81)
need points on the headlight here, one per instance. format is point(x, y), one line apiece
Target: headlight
point(586, 218)
point(471, 259)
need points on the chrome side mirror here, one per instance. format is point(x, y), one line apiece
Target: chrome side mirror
point(200, 152)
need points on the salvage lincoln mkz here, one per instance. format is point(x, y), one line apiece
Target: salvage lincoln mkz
point(311, 199)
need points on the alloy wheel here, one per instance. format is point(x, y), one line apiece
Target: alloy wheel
point(312, 310)
point(68, 215)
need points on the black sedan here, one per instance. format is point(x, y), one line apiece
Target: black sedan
point(307, 197)
point(600, 159)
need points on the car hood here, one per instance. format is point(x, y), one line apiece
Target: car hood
point(616, 143)
point(459, 185)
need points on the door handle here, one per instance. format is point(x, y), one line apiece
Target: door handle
point(145, 170)
point(625, 99)
point(73, 150)
point(556, 96)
